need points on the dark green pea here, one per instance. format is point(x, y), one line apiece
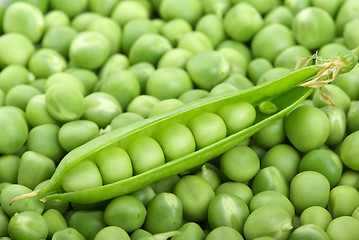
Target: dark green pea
point(175, 58)
point(257, 67)
point(159, 86)
point(279, 14)
point(29, 204)
point(112, 233)
point(270, 178)
point(308, 189)
point(236, 188)
point(13, 130)
point(277, 132)
point(44, 139)
point(272, 198)
point(69, 7)
point(189, 231)
point(348, 151)
point(166, 184)
point(188, 10)
point(142, 105)
point(174, 28)
point(195, 42)
point(271, 40)
point(228, 210)
point(224, 232)
point(114, 63)
point(329, 50)
point(27, 225)
point(350, 178)
point(122, 85)
point(242, 48)
point(4, 221)
point(309, 232)
point(102, 7)
point(272, 221)
point(34, 168)
point(82, 176)
point(165, 106)
point(13, 75)
point(145, 195)
point(46, 61)
point(20, 95)
point(141, 52)
point(344, 227)
point(145, 153)
point(289, 57)
point(55, 221)
point(164, 213)
point(59, 38)
point(316, 215)
point(88, 223)
point(343, 200)
point(9, 167)
point(176, 141)
point(125, 119)
point(250, 18)
point(124, 12)
point(55, 18)
point(143, 71)
point(193, 95)
point(195, 194)
point(68, 233)
point(126, 212)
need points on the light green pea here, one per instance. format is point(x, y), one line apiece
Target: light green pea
point(82, 20)
point(211, 174)
point(124, 12)
point(88, 223)
point(212, 26)
point(347, 12)
point(45, 61)
point(257, 67)
point(189, 231)
point(175, 58)
point(102, 7)
point(87, 77)
point(71, 8)
point(165, 185)
point(217, 7)
point(340, 98)
point(125, 119)
point(224, 232)
point(54, 18)
point(309, 231)
point(20, 95)
point(143, 71)
point(270, 178)
point(114, 63)
point(352, 124)
point(236, 188)
point(343, 200)
point(238, 63)
point(189, 10)
point(63, 77)
point(28, 225)
point(279, 14)
point(55, 221)
point(165, 106)
point(174, 28)
point(289, 57)
point(9, 167)
point(349, 82)
point(142, 105)
point(350, 178)
point(296, 5)
point(14, 75)
point(277, 132)
point(344, 227)
point(329, 50)
point(145, 195)
point(242, 48)
point(193, 95)
point(195, 42)
point(112, 233)
point(68, 233)
point(338, 124)
point(316, 215)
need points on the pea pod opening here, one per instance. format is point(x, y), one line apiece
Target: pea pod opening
point(284, 93)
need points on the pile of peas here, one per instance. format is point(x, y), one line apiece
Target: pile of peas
point(74, 70)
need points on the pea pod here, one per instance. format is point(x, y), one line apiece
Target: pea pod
point(282, 92)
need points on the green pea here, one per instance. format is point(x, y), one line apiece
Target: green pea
point(347, 81)
point(266, 198)
point(246, 14)
point(329, 50)
point(269, 178)
point(28, 204)
point(43, 139)
point(165, 185)
point(59, 38)
point(343, 200)
point(344, 227)
point(211, 25)
point(87, 223)
point(36, 113)
point(355, 213)
point(13, 75)
point(29, 225)
point(352, 115)
point(257, 67)
point(165, 106)
point(304, 120)
point(126, 212)
point(195, 42)
point(20, 95)
point(289, 57)
point(308, 189)
point(115, 62)
point(208, 69)
point(195, 194)
point(4, 221)
point(340, 98)
point(34, 168)
point(277, 132)
point(211, 174)
point(82, 20)
point(2, 97)
point(9, 167)
point(13, 130)
point(174, 28)
point(297, 5)
point(64, 103)
point(228, 210)
point(271, 40)
point(46, 61)
point(54, 18)
point(67, 78)
point(176, 141)
point(331, 6)
point(82, 176)
point(75, 133)
point(350, 178)
point(142, 105)
point(222, 89)
point(92, 54)
point(140, 234)
point(239, 81)
point(348, 151)
point(347, 12)
point(193, 95)
point(145, 153)
point(55, 221)
point(316, 215)
point(101, 108)
point(271, 221)
point(143, 71)
point(279, 14)
point(125, 119)
point(124, 12)
point(309, 231)
point(338, 124)
point(189, 231)
point(242, 48)
point(238, 62)
point(102, 7)
point(189, 10)
point(224, 232)
point(145, 195)
point(112, 233)
point(216, 7)
point(69, 7)
point(285, 158)
point(68, 233)
point(239, 189)
point(175, 58)
point(273, 74)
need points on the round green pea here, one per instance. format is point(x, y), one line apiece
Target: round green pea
point(28, 225)
point(125, 119)
point(280, 14)
point(340, 98)
point(124, 12)
point(36, 113)
point(174, 28)
point(68, 233)
point(189, 231)
point(349, 151)
point(9, 167)
point(257, 67)
point(102, 7)
point(20, 95)
point(211, 25)
point(222, 89)
point(142, 105)
point(115, 62)
point(165, 106)
point(112, 233)
point(343, 200)
point(54, 18)
point(239, 189)
point(55, 221)
point(193, 95)
point(211, 174)
point(316, 215)
point(309, 232)
point(224, 232)
point(189, 10)
point(46, 61)
point(329, 50)
point(269, 178)
point(82, 20)
point(338, 124)
point(142, 71)
point(195, 42)
point(71, 8)
point(87, 223)
point(290, 56)
point(345, 227)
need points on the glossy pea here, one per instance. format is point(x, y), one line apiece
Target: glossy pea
point(193, 95)
point(239, 81)
point(350, 178)
point(338, 124)
point(69, 7)
point(112, 233)
point(345, 227)
point(175, 58)
point(348, 151)
point(64, 78)
point(352, 115)
point(82, 20)
point(126, 212)
point(36, 113)
point(125, 119)
point(87, 223)
point(13, 75)
point(9, 167)
point(143, 71)
point(115, 62)
point(68, 233)
point(273, 74)
point(145, 195)
point(291, 56)
point(29, 225)
point(103, 8)
point(316, 215)
point(54, 18)
point(189, 231)
point(165, 105)
point(341, 196)
point(195, 42)
point(55, 221)
point(346, 81)
point(224, 232)
point(212, 26)
point(46, 61)
point(237, 62)
point(86, 77)
point(222, 89)
point(329, 50)
point(20, 95)
point(210, 174)
point(166, 184)
point(257, 67)
point(275, 129)
point(174, 28)
point(236, 188)
point(309, 231)
point(346, 13)
point(269, 178)
point(142, 105)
